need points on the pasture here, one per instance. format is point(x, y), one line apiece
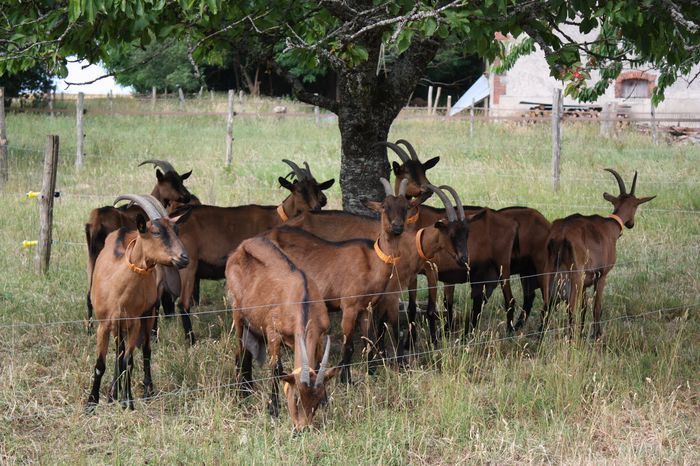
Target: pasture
point(632, 397)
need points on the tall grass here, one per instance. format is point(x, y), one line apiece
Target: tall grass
point(630, 398)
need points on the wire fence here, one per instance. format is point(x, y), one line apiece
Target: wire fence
point(182, 392)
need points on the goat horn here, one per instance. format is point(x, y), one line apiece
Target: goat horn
point(410, 148)
point(634, 183)
point(308, 170)
point(157, 205)
point(620, 183)
point(399, 151)
point(402, 187)
point(324, 363)
point(458, 201)
point(387, 187)
point(301, 175)
point(304, 376)
point(449, 210)
point(143, 202)
point(162, 164)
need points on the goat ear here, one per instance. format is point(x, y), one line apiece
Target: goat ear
point(289, 378)
point(397, 168)
point(326, 184)
point(182, 218)
point(141, 223)
point(184, 176)
point(285, 183)
point(609, 197)
point(645, 199)
point(159, 175)
point(374, 205)
point(431, 163)
point(330, 373)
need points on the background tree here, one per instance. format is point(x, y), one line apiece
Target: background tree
point(36, 79)
point(377, 50)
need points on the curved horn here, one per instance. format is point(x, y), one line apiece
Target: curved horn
point(387, 187)
point(449, 210)
point(620, 183)
point(143, 202)
point(634, 183)
point(410, 148)
point(458, 201)
point(308, 170)
point(304, 376)
point(157, 205)
point(402, 187)
point(301, 175)
point(399, 151)
point(162, 164)
point(324, 363)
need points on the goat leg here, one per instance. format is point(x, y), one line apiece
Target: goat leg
point(274, 404)
point(148, 389)
point(114, 389)
point(102, 344)
point(348, 325)
point(412, 332)
point(598, 308)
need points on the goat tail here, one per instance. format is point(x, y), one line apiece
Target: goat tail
point(561, 254)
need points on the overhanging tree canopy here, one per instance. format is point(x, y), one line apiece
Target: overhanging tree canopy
point(377, 49)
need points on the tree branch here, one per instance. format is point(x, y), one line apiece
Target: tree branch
point(301, 93)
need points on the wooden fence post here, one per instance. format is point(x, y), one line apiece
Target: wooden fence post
point(211, 95)
point(556, 137)
point(449, 105)
point(437, 99)
point(3, 141)
point(52, 98)
point(430, 100)
point(229, 129)
point(471, 120)
point(80, 134)
point(110, 96)
point(654, 139)
point(153, 99)
point(182, 98)
point(317, 113)
point(48, 188)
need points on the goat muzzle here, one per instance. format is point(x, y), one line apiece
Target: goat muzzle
point(182, 261)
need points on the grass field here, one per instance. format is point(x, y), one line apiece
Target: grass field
point(633, 397)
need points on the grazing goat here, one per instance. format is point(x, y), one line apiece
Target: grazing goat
point(417, 246)
point(351, 274)
point(581, 252)
point(104, 220)
point(274, 303)
point(212, 233)
point(124, 292)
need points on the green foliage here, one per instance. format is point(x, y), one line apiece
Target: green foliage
point(35, 79)
point(163, 65)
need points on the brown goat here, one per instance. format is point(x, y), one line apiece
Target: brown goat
point(124, 292)
point(274, 303)
point(581, 251)
point(212, 233)
point(445, 235)
point(351, 274)
point(104, 220)
point(491, 240)
point(411, 169)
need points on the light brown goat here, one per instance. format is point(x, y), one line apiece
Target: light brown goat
point(274, 303)
point(124, 292)
point(352, 274)
point(581, 251)
point(212, 233)
point(169, 188)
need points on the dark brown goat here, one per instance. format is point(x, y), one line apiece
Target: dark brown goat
point(212, 233)
point(581, 251)
point(104, 220)
point(491, 240)
point(274, 303)
point(411, 169)
point(124, 292)
point(351, 274)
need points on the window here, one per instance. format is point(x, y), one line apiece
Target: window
point(634, 88)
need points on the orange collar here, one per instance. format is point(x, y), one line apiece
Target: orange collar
point(419, 245)
point(283, 215)
point(413, 219)
point(133, 267)
point(619, 222)
point(387, 259)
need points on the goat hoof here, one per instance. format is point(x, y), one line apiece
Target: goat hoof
point(148, 391)
point(90, 408)
point(273, 409)
point(190, 337)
